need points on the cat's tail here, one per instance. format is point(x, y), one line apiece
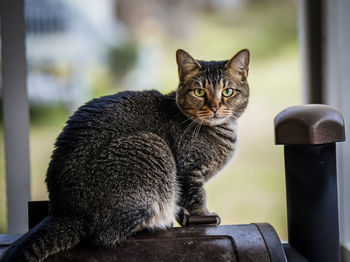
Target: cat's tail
point(52, 235)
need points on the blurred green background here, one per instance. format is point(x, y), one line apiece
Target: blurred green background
point(251, 187)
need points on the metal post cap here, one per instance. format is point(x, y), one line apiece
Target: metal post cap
point(309, 125)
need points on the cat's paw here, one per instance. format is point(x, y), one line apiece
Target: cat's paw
point(200, 212)
point(171, 225)
point(182, 216)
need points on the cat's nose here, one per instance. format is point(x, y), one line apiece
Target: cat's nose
point(214, 108)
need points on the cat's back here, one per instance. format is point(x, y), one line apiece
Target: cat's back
point(124, 109)
point(94, 125)
point(118, 114)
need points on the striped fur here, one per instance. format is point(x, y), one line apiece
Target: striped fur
point(138, 160)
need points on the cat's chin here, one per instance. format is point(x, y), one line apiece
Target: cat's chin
point(214, 121)
point(207, 121)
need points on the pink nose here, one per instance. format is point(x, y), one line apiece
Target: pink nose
point(214, 108)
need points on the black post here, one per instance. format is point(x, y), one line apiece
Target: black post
point(312, 205)
point(312, 29)
point(309, 134)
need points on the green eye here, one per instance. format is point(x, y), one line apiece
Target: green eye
point(228, 92)
point(199, 92)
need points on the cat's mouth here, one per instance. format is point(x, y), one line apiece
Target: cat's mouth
point(207, 117)
point(213, 119)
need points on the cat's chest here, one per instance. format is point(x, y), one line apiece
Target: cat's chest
point(205, 151)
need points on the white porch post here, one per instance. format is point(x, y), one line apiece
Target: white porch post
point(16, 113)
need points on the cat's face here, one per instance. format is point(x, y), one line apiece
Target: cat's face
point(215, 92)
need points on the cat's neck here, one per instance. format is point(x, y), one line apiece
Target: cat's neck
point(168, 105)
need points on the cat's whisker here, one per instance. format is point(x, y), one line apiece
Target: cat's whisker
point(187, 128)
point(200, 125)
point(184, 121)
point(196, 130)
point(234, 117)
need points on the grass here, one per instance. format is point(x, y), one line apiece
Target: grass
point(251, 187)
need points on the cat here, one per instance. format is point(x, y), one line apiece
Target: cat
point(138, 160)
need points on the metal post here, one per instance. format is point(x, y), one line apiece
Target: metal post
point(309, 134)
point(311, 24)
point(16, 113)
point(312, 203)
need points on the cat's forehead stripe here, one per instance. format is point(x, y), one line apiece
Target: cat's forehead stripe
point(213, 70)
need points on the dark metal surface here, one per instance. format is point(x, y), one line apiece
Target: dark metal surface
point(309, 134)
point(6, 240)
point(309, 125)
point(314, 49)
point(312, 204)
point(293, 255)
point(243, 243)
point(272, 242)
point(201, 220)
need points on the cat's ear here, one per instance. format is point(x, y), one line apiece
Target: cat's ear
point(187, 66)
point(238, 65)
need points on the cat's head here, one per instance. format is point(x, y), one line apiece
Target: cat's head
point(212, 92)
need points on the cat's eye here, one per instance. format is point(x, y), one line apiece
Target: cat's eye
point(199, 92)
point(228, 92)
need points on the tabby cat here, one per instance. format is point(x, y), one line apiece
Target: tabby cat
point(138, 160)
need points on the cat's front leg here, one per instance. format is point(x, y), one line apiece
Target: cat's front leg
point(196, 201)
point(193, 201)
point(193, 208)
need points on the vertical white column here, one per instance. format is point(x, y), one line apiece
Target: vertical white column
point(16, 113)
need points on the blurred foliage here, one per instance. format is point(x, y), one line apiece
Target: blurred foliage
point(1, 112)
point(54, 114)
point(122, 58)
point(104, 82)
point(265, 27)
point(59, 69)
